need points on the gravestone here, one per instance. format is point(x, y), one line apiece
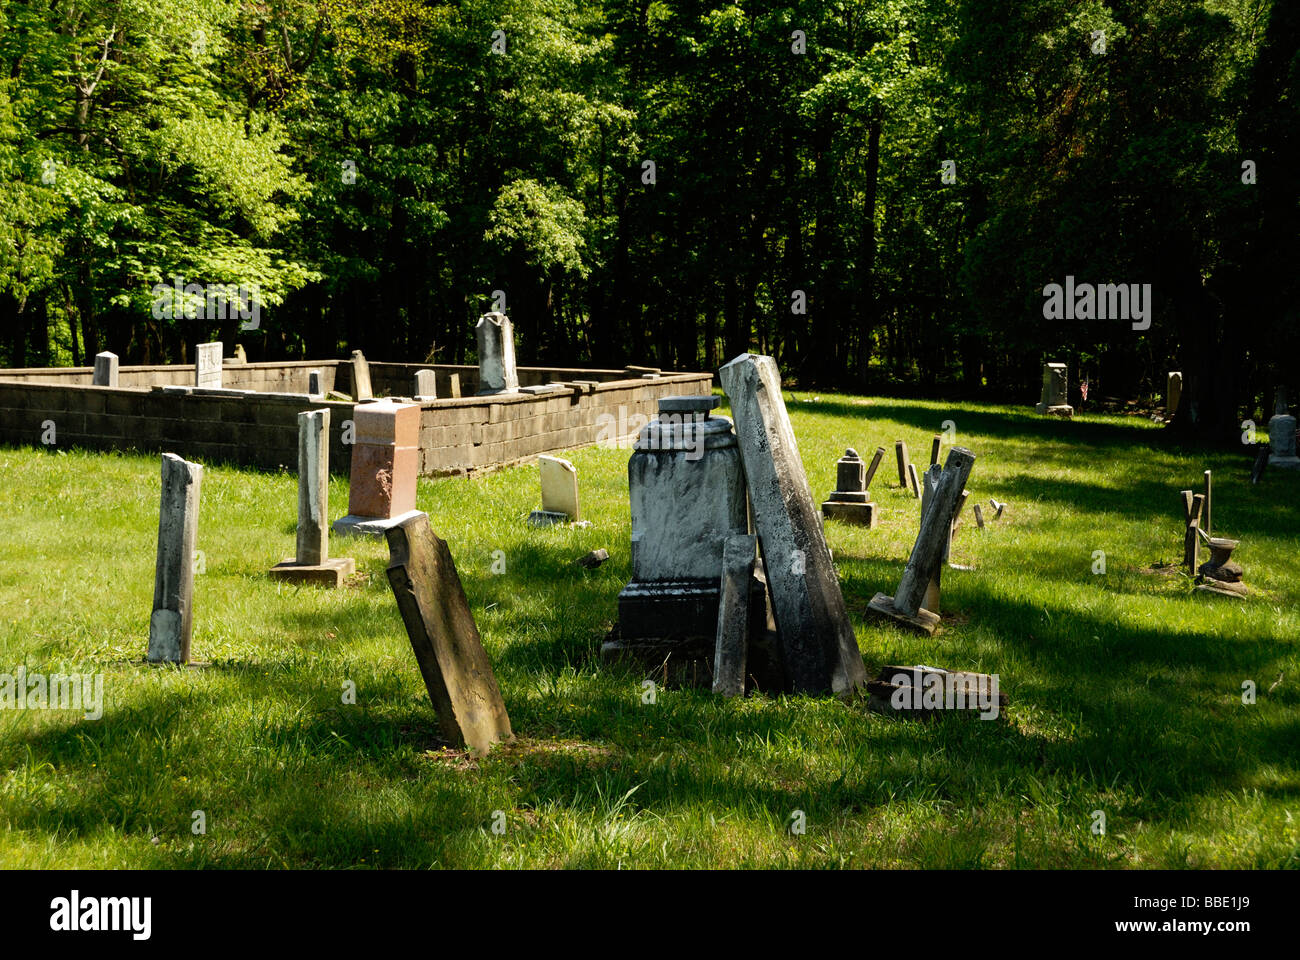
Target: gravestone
point(207, 365)
point(900, 454)
point(934, 450)
point(496, 355)
point(913, 482)
point(686, 488)
point(311, 562)
point(172, 622)
point(979, 516)
point(1281, 435)
point(315, 383)
point(361, 389)
point(385, 464)
point(1221, 574)
point(240, 355)
point(732, 650)
point(1173, 393)
point(818, 648)
point(905, 606)
point(871, 470)
point(559, 493)
point(105, 370)
point(849, 500)
point(1055, 401)
point(444, 637)
point(426, 385)
point(454, 390)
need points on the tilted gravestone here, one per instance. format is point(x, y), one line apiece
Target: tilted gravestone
point(927, 557)
point(311, 562)
point(819, 649)
point(444, 637)
point(361, 389)
point(105, 369)
point(559, 493)
point(385, 464)
point(496, 355)
point(207, 365)
point(172, 623)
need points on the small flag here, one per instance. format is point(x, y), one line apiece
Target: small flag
point(1083, 389)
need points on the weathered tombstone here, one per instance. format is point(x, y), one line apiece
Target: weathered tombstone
point(732, 650)
point(900, 454)
point(849, 500)
point(1261, 462)
point(444, 637)
point(998, 507)
point(594, 559)
point(934, 449)
point(929, 486)
point(1192, 507)
point(172, 623)
point(361, 389)
point(686, 488)
point(207, 365)
point(979, 517)
point(819, 649)
point(385, 464)
point(1055, 399)
point(315, 384)
point(426, 385)
point(871, 470)
point(1281, 435)
point(1173, 393)
point(496, 355)
point(930, 692)
point(455, 385)
point(105, 369)
point(905, 606)
point(311, 562)
point(1221, 574)
point(913, 481)
point(559, 493)
point(240, 355)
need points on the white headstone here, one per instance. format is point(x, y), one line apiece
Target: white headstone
point(105, 369)
point(207, 365)
point(313, 486)
point(559, 487)
point(426, 385)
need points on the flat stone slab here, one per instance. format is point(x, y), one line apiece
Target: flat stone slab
point(331, 573)
point(355, 526)
point(546, 518)
point(1058, 410)
point(863, 514)
point(1238, 591)
point(689, 404)
point(924, 621)
point(1284, 463)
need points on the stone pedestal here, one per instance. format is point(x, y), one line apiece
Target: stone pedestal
point(849, 500)
point(496, 355)
point(687, 490)
point(311, 562)
point(385, 464)
point(1055, 401)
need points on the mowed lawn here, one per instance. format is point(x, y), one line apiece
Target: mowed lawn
point(1125, 687)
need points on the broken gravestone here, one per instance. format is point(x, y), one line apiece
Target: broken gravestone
point(818, 647)
point(311, 562)
point(172, 623)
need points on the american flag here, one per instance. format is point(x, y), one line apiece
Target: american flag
point(1083, 389)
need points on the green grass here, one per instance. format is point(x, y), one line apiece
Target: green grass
point(1125, 688)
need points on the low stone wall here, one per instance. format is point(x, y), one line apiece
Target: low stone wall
point(457, 436)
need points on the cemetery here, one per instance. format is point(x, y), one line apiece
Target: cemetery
point(544, 642)
point(579, 435)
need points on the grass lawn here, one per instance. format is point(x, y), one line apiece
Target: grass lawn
point(1125, 688)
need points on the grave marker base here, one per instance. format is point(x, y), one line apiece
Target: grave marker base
point(924, 621)
point(331, 573)
point(546, 518)
point(848, 512)
point(355, 526)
